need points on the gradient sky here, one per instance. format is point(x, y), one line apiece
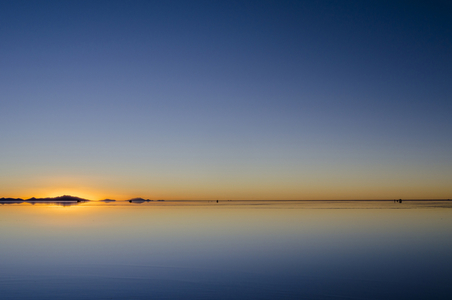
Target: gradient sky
point(226, 99)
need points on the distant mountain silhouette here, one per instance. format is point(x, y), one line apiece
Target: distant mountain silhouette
point(11, 199)
point(58, 199)
point(138, 200)
point(107, 200)
point(64, 198)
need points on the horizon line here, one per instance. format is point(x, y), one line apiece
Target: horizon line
point(139, 198)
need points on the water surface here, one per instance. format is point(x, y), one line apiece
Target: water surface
point(225, 250)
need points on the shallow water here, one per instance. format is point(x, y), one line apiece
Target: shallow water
point(225, 250)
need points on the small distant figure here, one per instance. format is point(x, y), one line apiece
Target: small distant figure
point(217, 201)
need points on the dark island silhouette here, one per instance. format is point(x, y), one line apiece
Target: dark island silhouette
point(64, 200)
point(107, 200)
point(139, 200)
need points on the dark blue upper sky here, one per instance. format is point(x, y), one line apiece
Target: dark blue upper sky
point(213, 99)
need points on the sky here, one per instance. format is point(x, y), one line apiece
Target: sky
point(226, 99)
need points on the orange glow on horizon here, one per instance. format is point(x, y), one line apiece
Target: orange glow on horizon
point(51, 193)
point(75, 193)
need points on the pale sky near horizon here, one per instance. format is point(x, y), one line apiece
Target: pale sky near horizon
point(226, 100)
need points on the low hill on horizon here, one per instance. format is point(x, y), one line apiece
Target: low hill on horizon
point(48, 199)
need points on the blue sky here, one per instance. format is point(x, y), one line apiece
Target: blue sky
point(226, 100)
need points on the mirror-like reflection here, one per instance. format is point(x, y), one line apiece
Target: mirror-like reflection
point(226, 249)
point(60, 203)
point(65, 200)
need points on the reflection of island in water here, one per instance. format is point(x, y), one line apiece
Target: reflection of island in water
point(139, 200)
point(64, 200)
